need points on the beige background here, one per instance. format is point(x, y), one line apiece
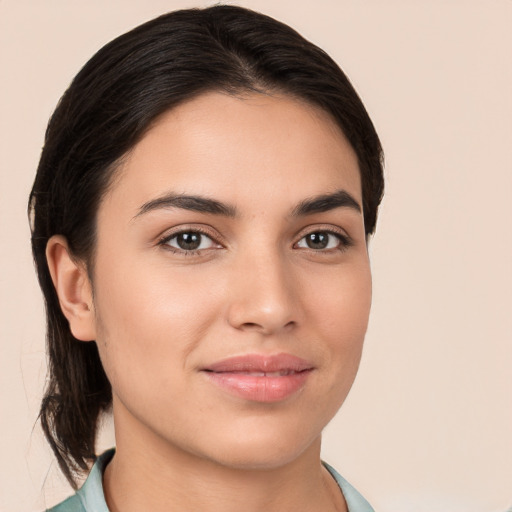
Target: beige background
point(427, 427)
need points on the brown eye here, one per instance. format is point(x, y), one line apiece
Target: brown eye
point(317, 240)
point(190, 241)
point(321, 240)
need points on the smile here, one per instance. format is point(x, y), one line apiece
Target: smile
point(281, 373)
point(260, 378)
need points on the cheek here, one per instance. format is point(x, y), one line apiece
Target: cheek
point(148, 321)
point(340, 310)
point(341, 302)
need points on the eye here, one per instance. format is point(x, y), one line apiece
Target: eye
point(323, 240)
point(189, 241)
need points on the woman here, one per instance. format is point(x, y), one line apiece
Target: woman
point(200, 220)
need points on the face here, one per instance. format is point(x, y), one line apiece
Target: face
point(231, 280)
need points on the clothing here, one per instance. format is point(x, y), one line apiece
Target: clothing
point(90, 497)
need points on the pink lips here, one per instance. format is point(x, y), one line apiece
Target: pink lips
point(260, 378)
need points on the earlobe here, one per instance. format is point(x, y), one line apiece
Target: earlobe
point(73, 288)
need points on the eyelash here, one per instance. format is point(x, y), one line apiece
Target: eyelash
point(164, 241)
point(344, 241)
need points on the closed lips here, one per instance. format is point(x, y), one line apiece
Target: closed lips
point(280, 373)
point(260, 378)
point(272, 365)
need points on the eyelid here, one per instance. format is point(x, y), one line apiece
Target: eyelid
point(162, 240)
point(328, 228)
point(190, 228)
point(345, 239)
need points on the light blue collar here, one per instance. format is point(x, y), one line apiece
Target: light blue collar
point(91, 493)
point(355, 502)
point(90, 497)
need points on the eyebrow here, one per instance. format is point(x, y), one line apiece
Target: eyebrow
point(316, 204)
point(326, 202)
point(188, 202)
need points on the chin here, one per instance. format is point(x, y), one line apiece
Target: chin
point(259, 458)
point(262, 447)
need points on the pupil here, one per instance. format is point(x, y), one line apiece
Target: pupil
point(317, 240)
point(189, 241)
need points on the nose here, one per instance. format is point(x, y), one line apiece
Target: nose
point(263, 295)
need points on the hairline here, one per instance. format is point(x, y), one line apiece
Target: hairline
point(115, 169)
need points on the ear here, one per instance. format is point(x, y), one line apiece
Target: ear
point(73, 288)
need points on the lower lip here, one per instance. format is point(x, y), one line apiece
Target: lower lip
point(259, 388)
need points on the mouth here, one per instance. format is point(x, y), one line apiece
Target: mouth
point(260, 378)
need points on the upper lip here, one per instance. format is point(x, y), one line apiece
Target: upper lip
point(260, 363)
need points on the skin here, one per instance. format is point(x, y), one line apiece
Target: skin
point(160, 314)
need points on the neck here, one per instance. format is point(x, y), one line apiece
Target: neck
point(148, 473)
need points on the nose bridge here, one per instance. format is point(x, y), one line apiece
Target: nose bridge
point(265, 293)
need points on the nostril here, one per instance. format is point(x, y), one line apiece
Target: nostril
point(251, 325)
point(258, 313)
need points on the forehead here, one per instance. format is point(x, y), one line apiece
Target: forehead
point(242, 149)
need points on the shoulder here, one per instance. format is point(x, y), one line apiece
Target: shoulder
point(355, 502)
point(72, 504)
point(90, 497)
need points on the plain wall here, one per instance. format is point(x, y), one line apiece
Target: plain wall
point(427, 426)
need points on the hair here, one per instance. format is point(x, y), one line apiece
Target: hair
point(106, 110)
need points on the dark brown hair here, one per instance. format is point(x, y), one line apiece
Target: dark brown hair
point(106, 110)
